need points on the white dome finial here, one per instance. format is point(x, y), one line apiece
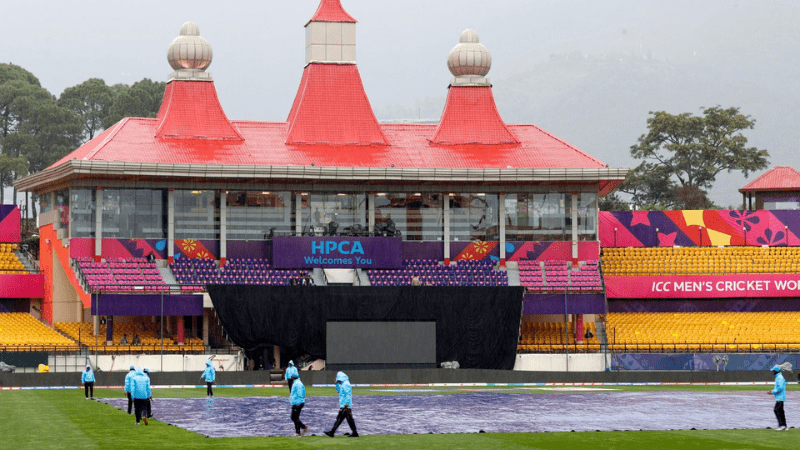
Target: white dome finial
point(469, 61)
point(190, 55)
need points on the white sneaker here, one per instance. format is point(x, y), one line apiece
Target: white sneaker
point(780, 429)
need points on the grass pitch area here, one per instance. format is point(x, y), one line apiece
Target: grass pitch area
point(63, 419)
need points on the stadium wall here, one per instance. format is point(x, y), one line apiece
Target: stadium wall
point(410, 376)
point(10, 224)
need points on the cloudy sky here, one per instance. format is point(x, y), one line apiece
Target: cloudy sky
point(402, 48)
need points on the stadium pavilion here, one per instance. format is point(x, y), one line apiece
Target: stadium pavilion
point(191, 183)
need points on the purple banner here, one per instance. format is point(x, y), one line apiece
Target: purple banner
point(554, 304)
point(688, 361)
point(337, 252)
point(148, 305)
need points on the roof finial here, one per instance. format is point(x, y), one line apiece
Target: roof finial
point(469, 61)
point(190, 55)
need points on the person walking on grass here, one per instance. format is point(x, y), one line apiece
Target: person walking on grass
point(87, 378)
point(291, 374)
point(779, 391)
point(140, 391)
point(209, 375)
point(128, 387)
point(149, 402)
point(345, 391)
point(297, 398)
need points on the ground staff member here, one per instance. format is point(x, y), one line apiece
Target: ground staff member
point(297, 398)
point(209, 375)
point(291, 374)
point(87, 378)
point(780, 396)
point(128, 377)
point(140, 391)
point(149, 402)
point(345, 403)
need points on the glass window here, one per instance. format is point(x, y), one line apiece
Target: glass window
point(474, 217)
point(788, 202)
point(62, 204)
point(134, 213)
point(83, 210)
point(257, 215)
point(334, 214)
point(44, 203)
point(196, 215)
point(416, 216)
point(520, 210)
point(550, 222)
point(587, 216)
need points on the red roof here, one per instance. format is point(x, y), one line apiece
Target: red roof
point(191, 109)
point(331, 11)
point(470, 117)
point(779, 178)
point(332, 108)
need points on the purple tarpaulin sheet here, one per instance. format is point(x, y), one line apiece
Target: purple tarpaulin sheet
point(554, 304)
point(471, 412)
point(337, 252)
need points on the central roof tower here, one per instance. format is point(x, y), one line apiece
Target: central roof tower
point(331, 106)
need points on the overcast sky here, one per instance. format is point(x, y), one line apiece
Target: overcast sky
point(402, 46)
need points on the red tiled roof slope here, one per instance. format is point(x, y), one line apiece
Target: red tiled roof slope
point(470, 117)
point(331, 11)
point(332, 108)
point(191, 109)
point(779, 178)
point(265, 144)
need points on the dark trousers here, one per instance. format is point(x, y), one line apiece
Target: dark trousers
point(130, 402)
point(209, 391)
point(139, 406)
point(290, 381)
point(88, 389)
point(344, 413)
point(148, 408)
point(298, 425)
point(779, 414)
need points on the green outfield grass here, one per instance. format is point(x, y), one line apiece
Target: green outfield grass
point(64, 420)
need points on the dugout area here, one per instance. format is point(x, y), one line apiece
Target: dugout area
point(476, 326)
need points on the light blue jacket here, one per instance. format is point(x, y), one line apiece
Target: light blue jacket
point(291, 371)
point(344, 389)
point(298, 394)
point(128, 378)
point(780, 388)
point(140, 385)
point(209, 374)
point(87, 376)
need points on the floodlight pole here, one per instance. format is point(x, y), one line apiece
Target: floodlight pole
point(162, 331)
point(566, 329)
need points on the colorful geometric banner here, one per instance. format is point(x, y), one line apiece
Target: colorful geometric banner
point(10, 224)
point(699, 228)
point(703, 286)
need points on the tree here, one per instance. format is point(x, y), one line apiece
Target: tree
point(91, 101)
point(34, 131)
point(143, 99)
point(683, 154)
point(612, 202)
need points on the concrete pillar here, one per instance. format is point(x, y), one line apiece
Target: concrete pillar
point(446, 212)
point(223, 228)
point(501, 217)
point(180, 330)
point(276, 353)
point(371, 202)
point(110, 330)
point(206, 313)
point(98, 224)
point(96, 324)
point(170, 225)
point(298, 214)
point(574, 229)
